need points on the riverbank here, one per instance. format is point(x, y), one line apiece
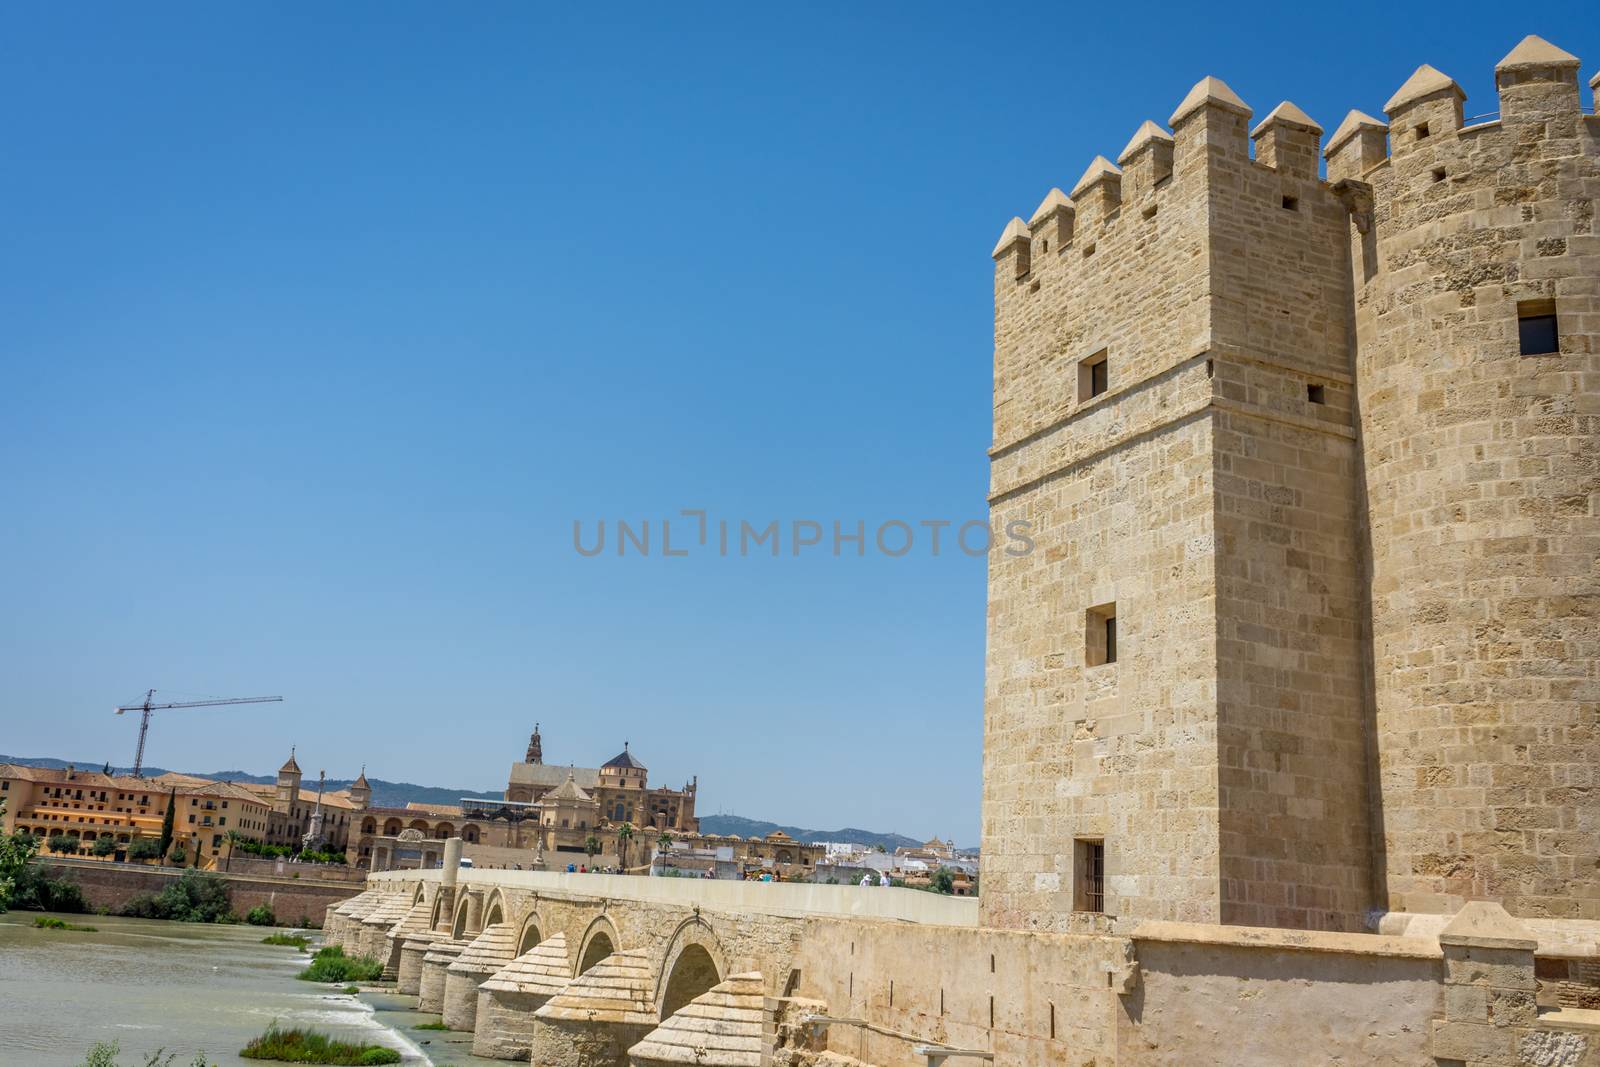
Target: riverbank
point(292, 891)
point(185, 987)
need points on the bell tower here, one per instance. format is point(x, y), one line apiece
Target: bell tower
point(288, 783)
point(535, 747)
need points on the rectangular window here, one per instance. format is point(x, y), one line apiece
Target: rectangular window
point(1316, 394)
point(1538, 333)
point(1100, 635)
point(1093, 376)
point(1089, 864)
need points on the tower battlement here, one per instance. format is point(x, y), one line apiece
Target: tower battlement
point(1286, 452)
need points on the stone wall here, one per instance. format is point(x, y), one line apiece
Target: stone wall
point(112, 885)
point(1483, 467)
point(870, 988)
point(1348, 529)
point(1222, 760)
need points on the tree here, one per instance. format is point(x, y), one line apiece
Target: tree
point(943, 881)
point(664, 842)
point(168, 820)
point(59, 842)
point(144, 848)
point(624, 835)
point(233, 838)
point(104, 845)
point(592, 846)
point(15, 852)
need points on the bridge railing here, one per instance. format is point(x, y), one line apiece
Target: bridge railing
point(768, 898)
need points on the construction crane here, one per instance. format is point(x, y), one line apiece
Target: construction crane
point(147, 707)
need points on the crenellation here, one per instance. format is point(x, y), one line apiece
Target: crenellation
point(1051, 225)
point(1096, 197)
point(1538, 82)
point(1012, 253)
point(1427, 106)
point(1287, 141)
point(1359, 143)
point(1146, 162)
point(1211, 119)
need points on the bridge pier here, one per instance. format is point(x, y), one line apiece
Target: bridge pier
point(488, 952)
point(435, 971)
point(599, 1016)
point(508, 999)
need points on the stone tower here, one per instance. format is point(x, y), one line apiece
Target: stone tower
point(535, 747)
point(288, 784)
point(1477, 317)
point(1220, 401)
point(361, 790)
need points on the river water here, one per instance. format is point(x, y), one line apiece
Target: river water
point(185, 987)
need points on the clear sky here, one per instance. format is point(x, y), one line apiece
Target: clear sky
point(321, 324)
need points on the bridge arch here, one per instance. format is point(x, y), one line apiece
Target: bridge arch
point(693, 964)
point(469, 914)
point(530, 935)
point(599, 941)
point(494, 910)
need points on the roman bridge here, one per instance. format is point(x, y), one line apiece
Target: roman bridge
point(584, 969)
point(588, 970)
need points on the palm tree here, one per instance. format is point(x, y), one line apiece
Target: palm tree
point(592, 847)
point(664, 842)
point(233, 838)
point(624, 835)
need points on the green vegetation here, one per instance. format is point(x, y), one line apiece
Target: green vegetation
point(943, 881)
point(167, 821)
point(105, 1053)
point(261, 915)
point(332, 965)
point(59, 843)
point(15, 852)
point(103, 846)
point(431, 1026)
point(297, 940)
point(309, 856)
point(312, 1046)
point(351, 990)
point(247, 847)
point(46, 922)
point(196, 897)
point(33, 890)
point(624, 838)
point(144, 848)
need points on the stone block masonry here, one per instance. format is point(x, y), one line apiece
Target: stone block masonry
point(1283, 441)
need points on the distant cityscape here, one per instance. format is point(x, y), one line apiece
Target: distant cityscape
point(549, 816)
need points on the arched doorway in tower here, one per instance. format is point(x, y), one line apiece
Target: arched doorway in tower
point(693, 973)
point(598, 948)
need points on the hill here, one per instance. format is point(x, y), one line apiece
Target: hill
point(737, 824)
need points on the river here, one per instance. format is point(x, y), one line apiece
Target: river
point(185, 987)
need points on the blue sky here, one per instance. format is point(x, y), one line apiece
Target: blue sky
point(322, 325)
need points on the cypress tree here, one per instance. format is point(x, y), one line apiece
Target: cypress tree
point(166, 823)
